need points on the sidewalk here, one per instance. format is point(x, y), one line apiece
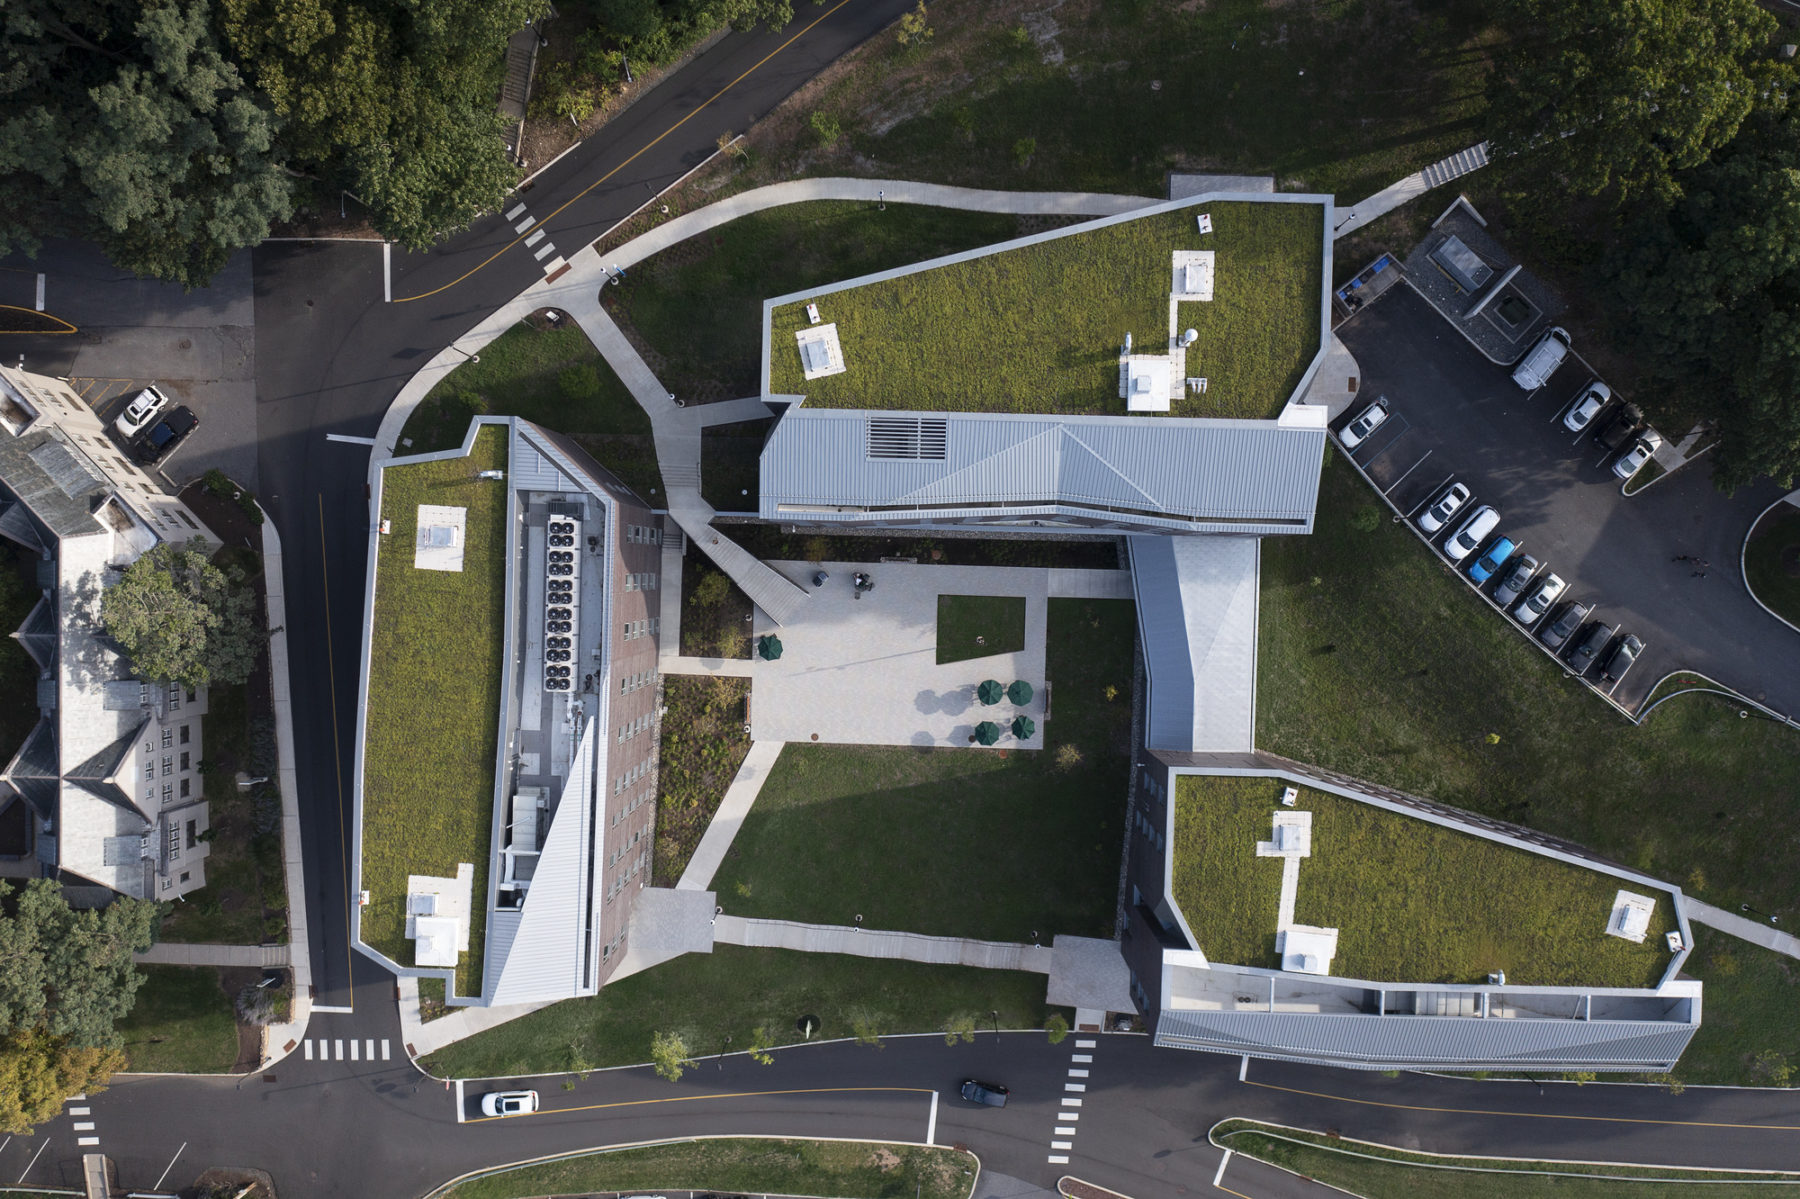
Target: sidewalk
point(173, 953)
point(878, 943)
point(722, 829)
point(421, 1039)
point(1754, 931)
point(1411, 188)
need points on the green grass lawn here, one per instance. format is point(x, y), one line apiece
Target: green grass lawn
point(1751, 996)
point(1379, 1172)
point(730, 462)
point(1412, 901)
point(182, 1023)
point(556, 378)
point(849, 1169)
point(1772, 561)
point(998, 620)
point(1038, 328)
point(1377, 663)
point(434, 698)
point(735, 991)
point(955, 842)
point(703, 744)
point(699, 303)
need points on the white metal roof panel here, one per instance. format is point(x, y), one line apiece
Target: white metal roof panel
point(1197, 614)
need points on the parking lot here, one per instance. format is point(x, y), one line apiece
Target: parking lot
point(1456, 415)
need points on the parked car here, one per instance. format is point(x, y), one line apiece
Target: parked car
point(1532, 608)
point(1444, 507)
point(1633, 459)
point(143, 407)
point(509, 1103)
point(1588, 647)
point(165, 435)
point(1619, 429)
point(992, 1094)
point(1619, 659)
point(1581, 414)
point(1473, 532)
point(1540, 362)
point(1366, 422)
point(1557, 631)
point(1493, 560)
point(1515, 580)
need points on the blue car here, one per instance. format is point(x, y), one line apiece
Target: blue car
point(1488, 563)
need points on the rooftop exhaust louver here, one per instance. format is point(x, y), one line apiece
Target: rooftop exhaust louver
point(921, 438)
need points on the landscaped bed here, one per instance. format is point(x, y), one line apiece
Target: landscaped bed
point(772, 543)
point(1038, 328)
point(433, 711)
point(1412, 901)
point(851, 1169)
point(958, 842)
point(979, 626)
point(703, 744)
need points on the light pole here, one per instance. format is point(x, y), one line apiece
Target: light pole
point(466, 354)
point(996, 1015)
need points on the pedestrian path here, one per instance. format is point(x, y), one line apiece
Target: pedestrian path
point(175, 953)
point(1754, 931)
point(730, 412)
point(1410, 188)
point(722, 829)
point(880, 943)
point(424, 1038)
point(332, 1049)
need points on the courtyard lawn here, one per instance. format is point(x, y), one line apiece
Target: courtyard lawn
point(997, 620)
point(181, 1023)
point(1358, 1168)
point(433, 712)
point(554, 377)
point(850, 1169)
point(1038, 328)
point(959, 842)
point(1412, 901)
point(733, 992)
point(1772, 561)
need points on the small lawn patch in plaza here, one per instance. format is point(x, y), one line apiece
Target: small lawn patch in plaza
point(1772, 561)
point(703, 744)
point(554, 377)
point(433, 712)
point(959, 842)
point(1412, 901)
point(733, 992)
point(979, 626)
point(1038, 328)
point(180, 1023)
point(850, 1169)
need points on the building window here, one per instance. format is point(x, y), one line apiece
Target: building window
point(168, 793)
point(184, 787)
point(149, 768)
point(174, 697)
point(184, 760)
point(168, 765)
point(168, 736)
point(184, 734)
point(185, 876)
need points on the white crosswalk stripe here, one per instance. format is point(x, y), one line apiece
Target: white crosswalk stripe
point(309, 1049)
point(368, 1051)
point(384, 1049)
point(87, 1140)
point(1057, 1160)
point(1085, 1044)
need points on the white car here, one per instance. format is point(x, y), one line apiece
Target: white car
point(1532, 608)
point(141, 411)
point(1582, 413)
point(1444, 507)
point(1366, 422)
point(1474, 531)
point(509, 1103)
point(1641, 451)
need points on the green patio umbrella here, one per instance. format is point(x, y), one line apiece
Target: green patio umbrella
point(1023, 727)
point(990, 692)
point(987, 732)
point(769, 647)
point(1019, 693)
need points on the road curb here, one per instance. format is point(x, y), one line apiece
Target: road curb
point(1744, 557)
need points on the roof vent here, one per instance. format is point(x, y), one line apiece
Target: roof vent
point(916, 437)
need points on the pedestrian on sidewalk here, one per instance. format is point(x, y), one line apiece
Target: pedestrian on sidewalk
point(1680, 558)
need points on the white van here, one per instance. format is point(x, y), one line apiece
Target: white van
point(1534, 370)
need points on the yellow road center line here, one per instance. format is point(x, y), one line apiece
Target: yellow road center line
point(337, 756)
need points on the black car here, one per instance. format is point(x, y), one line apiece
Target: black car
point(1620, 659)
point(162, 437)
point(1617, 431)
point(1558, 630)
point(1589, 647)
point(992, 1094)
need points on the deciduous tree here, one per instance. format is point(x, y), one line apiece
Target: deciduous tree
point(38, 1072)
point(181, 618)
point(69, 973)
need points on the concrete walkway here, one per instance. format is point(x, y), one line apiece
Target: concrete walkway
point(723, 828)
point(1410, 188)
point(422, 1038)
point(737, 668)
point(878, 943)
point(1067, 583)
point(175, 953)
point(1754, 931)
point(730, 412)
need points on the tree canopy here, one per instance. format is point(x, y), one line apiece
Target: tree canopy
point(1615, 96)
point(181, 618)
point(66, 972)
point(38, 1072)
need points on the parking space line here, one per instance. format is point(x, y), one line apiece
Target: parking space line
point(1409, 470)
point(35, 1156)
point(40, 291)
point(931, 1122)
point(461, 1108)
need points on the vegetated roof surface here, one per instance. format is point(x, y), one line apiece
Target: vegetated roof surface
point(433, 716)
point(1038, 328)
point(1412, 901)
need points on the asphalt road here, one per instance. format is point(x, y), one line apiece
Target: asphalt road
point(380, 1130)
point(1455, 414)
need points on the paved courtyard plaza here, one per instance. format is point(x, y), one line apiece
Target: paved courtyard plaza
point(863, 671)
